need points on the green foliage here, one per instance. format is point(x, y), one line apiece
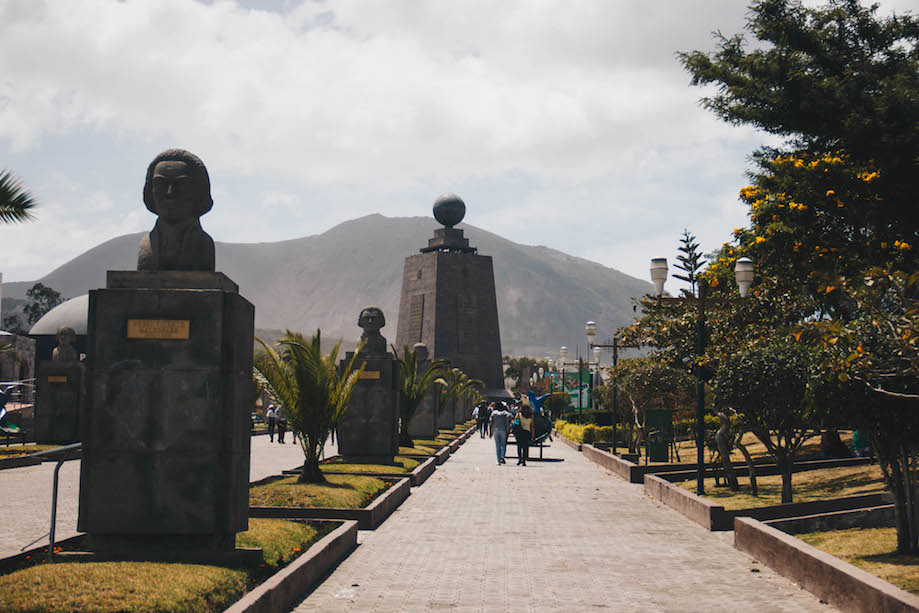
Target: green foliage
point(689, 260)
point(829, 77)
point(16, 202)
point(771, 385)
point(414, 384)
point(39, 300)
point(516, 366)
point(312, 391)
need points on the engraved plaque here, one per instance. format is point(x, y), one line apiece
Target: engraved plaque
point(158, 329)
point(370, 374)
point(416, 317)
point(467, 319)
point(57, 379)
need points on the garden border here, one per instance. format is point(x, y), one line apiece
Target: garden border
point(287, 586)
point(368, 518)
point(827, 577)
point(635, 473)
point(714, 517)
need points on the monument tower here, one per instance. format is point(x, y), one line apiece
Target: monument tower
point(448, 301)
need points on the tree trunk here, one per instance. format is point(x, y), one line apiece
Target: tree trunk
point(311, 472)
point(724, 450)
point(751, 467)
point(785, 467)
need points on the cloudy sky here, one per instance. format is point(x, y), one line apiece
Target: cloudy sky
point(563, 123)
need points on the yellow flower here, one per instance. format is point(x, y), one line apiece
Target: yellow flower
point(868, 177)
point(760, 239)
point(830, 192)
point(905, 246)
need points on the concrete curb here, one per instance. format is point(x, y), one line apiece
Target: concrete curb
point(716, 518)
point(18, 462)
point(827, 577)
point(635, 473)
point(286, 587)
point(368, 518)
point(442, 454)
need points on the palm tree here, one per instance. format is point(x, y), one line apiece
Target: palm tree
point(15, 200)
point(310, 388)
point(414, 385)
point(455, 385)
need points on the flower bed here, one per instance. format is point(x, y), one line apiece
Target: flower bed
point(305, 550)
point(369, 512)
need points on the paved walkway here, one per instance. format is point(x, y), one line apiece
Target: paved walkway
point(553, 536)
point(25, 493)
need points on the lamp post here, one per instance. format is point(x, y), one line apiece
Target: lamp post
point(615, 346)
point(563, 355)
point(743, 274)
point(590, 329)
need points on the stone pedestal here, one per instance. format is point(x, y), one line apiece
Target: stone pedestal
point(166, 425)
point(58, 402)
point(445, 414)
point(369, 429)
point(424, 423)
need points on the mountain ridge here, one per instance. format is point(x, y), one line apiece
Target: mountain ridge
point(324, 280)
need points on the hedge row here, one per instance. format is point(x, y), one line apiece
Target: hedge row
point(586, 433)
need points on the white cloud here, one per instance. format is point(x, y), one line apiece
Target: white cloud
point(534, 110)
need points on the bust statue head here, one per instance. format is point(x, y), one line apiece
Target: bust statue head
point(65, 351)
point(371, 321)
point(177, 187)
point(178, 190)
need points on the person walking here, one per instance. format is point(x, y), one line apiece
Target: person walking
point(282, 429)
point(272, 417)
point(525, 434)
point(499, 422)
point(484, 412)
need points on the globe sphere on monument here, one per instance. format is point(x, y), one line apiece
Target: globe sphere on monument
point(449, 210)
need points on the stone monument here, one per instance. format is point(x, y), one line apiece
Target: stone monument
point(60, 395)
point(425, 422)
point(166, 426)
point(369, 429)
point(448, 302)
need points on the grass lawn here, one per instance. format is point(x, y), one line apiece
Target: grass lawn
point(806, 486)
point(431, 443)
point(151, 586)
point(419, 449)
point(18, 450)
point(339, 491)
point(401, 465)
point(872, 550)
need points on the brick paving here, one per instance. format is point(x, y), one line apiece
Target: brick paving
point(25, 493)
point(553, 536)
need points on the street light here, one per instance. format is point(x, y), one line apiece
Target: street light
point(743, 274)
point(590, 329)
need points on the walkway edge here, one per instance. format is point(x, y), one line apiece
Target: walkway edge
point(823, 575)
point(286, 587)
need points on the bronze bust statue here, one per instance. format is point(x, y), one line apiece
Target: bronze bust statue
point(178, 190)
point(65, 351)
point(371, 321)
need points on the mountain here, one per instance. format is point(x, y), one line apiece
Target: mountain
point(323, 281)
